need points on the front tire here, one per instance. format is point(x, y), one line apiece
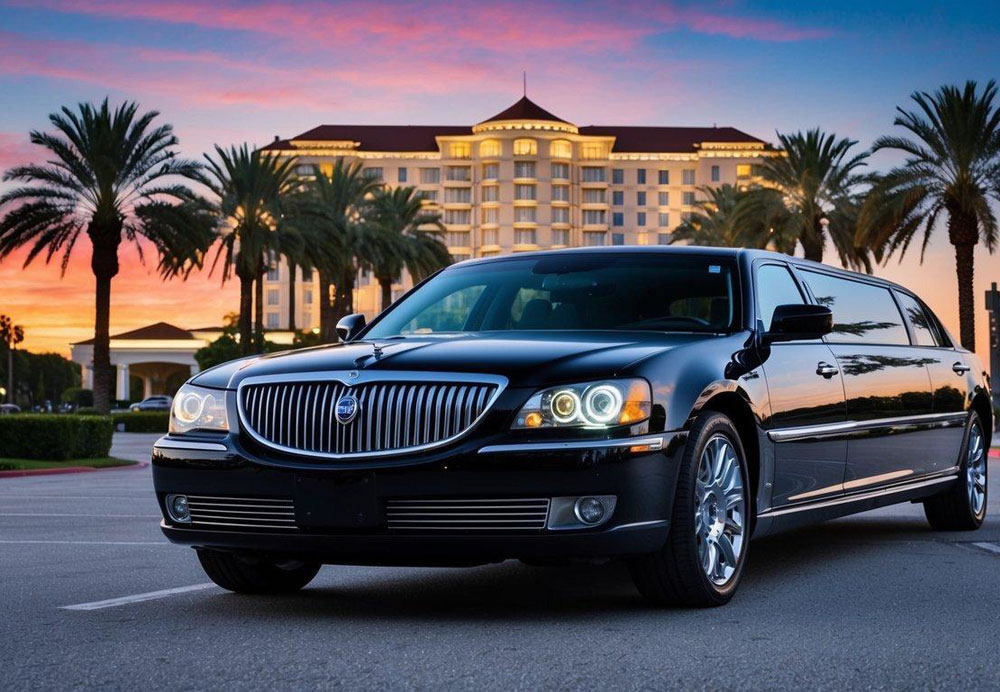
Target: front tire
point(251, 575)
point(702, 562)
point(963, 506)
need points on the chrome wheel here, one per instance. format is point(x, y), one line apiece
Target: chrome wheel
point(975, 470)
point(720, 510)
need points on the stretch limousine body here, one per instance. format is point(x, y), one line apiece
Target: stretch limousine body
point(660, 405)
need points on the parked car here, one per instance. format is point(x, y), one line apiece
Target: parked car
point(152, 403)
point(659, 405)
point(9, 408)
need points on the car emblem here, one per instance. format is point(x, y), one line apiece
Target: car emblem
point(347, 409)
point(353, 374)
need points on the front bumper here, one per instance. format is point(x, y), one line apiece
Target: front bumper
point(358, 532)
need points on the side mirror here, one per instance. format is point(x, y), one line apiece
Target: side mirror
point(350, 326)
point(797, 322)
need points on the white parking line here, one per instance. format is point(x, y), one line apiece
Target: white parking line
point(988, 547)
point(85, 542)
point(137, 598)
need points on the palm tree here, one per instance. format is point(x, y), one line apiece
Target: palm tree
point(250, 188)
point(726, 216)
point(114, 176)
point(952, 166)
point(331, 207)
point(816, 176)
point(400, 219)
point(10, 336)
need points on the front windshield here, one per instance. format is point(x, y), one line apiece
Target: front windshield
point(674, 293)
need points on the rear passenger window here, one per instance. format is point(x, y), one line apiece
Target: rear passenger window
point(924, 328)
point(775, 286)
point(862, 312)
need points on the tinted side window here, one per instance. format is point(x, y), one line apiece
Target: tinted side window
point(924, 328)
point(775, 286)
point(861, 312)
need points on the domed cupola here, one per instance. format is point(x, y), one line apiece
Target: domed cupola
point(525, 115)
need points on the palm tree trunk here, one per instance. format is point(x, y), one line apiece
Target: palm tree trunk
point(258, 319)
point(812, 243)
point(343, 303)
point(10, 374)
point(246, 311)
point(385, 283)
point(104, 264)
point(964, 265)
point(291, 295)
point(327, 320)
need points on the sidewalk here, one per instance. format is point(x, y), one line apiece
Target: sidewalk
point(133, 446)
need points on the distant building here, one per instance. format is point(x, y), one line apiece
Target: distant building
point(524, 180)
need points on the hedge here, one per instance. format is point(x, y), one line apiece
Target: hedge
point(55, 438)
point(142, 421)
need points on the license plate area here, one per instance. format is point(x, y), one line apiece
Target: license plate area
point(344, 501)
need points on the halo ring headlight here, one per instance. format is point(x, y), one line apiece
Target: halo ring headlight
point(602, 404)
point(565, 405)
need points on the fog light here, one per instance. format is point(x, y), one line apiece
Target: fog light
point(589, 510)
point(177, 508)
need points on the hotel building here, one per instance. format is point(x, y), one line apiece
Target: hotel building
point(524, 180)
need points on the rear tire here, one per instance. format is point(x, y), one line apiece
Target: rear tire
point(963, 506)
point(252, 575)
point(702, 562)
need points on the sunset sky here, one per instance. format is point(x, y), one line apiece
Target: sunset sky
point(228, 72)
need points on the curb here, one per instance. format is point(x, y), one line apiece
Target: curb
point(994, 454)
point(21, 473)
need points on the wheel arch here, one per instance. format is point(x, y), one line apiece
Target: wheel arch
point(982, 405)
point(738, 409)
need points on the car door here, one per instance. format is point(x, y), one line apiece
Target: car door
point(805, 390)
point(886, 382)
point(949, 382)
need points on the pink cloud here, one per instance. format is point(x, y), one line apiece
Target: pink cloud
point(15, 150)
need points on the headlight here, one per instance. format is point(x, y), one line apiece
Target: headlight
point(592, 404)
point(197, 408)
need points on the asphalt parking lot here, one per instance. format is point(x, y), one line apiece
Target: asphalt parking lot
point(874, 601)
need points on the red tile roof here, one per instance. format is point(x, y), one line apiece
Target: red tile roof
point(667, 139)
point(160, 330)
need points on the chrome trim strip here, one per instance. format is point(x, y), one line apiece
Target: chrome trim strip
point(655, 522)
point(352, 378)
point(654, 443)
point(164, 443)
point(851, 427)
point(847, 499)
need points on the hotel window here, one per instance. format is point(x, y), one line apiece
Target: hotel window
point(457, 239)
point(593, 217)
point(560, 214)
point(307, 297)
point(491, 237)
point(491, 171)
point(273, 274)
point(524, 214)
point(491, 193)
point(594, 197)
point(664, 220)
point(560, 237)
point(560, 193)
point(663, 239)
point(525, 147)
point(524, 236)
point(688, 176)
point(460, 173)
point(590, 238)
point(617, 238)
point(524, 169)
point(525, 192)
point(401, 175)
point(429, 195)
point(640, 219)
point(306, 170)
point(617, 176)
point(271, 320)
point(618, 219)
point(617, 197)
point(460, 257)
point(664, 177)
point(491, 215)
point(458, 217)
point(460, 150)
point(640, 199)
point(273, 296)
point(594, 174)
point(685, 216)
point(593, 151)
point(373, 173)
point(458, 195)
point(640, 176)
point(688, 198)
point(489, 149)
point(663, 198)
point(715, 174)
point(560, 170)
point(430, 176)
point(744, 170)
point(560, 149)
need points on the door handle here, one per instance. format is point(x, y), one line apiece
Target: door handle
point(826, 370)
point(961, 368)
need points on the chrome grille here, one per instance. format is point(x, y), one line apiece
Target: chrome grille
point(392, 416)
point(230, 513)
point(468, 515)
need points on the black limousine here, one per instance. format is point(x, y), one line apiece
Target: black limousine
point(657, 405)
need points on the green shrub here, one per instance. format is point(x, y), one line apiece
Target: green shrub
point(142, 421)
point(78, 396)
point(54, 438)
point(86, 411)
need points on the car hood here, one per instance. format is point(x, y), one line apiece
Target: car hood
point(524, 358)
